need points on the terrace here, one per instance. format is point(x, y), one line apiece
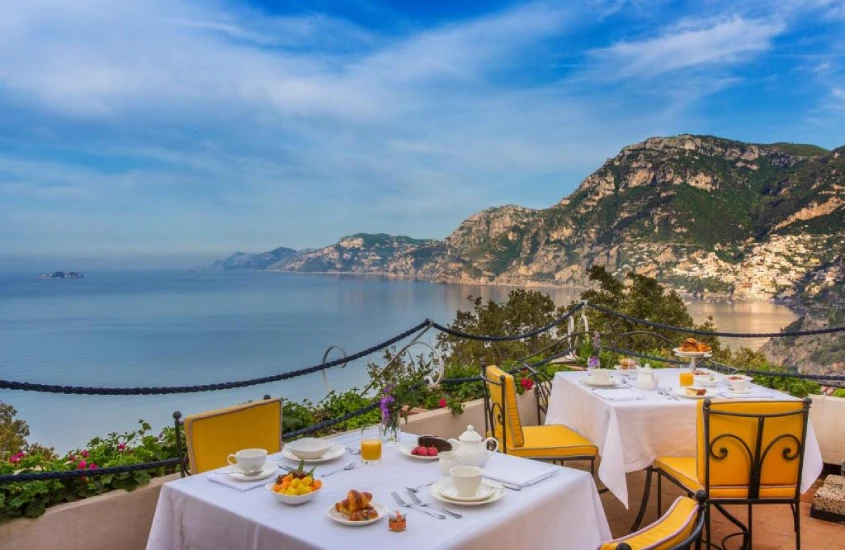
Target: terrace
point(123, 519)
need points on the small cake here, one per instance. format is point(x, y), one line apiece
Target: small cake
point(628, 363)
point(433, 441)
point(695, 391)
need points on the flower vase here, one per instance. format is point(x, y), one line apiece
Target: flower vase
point(390, 431)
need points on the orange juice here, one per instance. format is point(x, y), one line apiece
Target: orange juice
point(686, 379)
point(371, 450)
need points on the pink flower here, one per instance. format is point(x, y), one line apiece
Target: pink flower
point(14, 459)
point(442, 402)
point(84, 453)
point(71, 457)
point(92, 466)
point(528, 383)
point(121, 447)
point(82, 465)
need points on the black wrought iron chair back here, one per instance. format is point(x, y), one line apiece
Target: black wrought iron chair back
point(748, 453)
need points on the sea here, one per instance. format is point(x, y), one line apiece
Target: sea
point(172, 328)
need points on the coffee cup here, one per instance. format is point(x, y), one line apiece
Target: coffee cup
point(467, 480)
point(249, 461)
point(601, 375)
point(739, 385)
point(447, 460)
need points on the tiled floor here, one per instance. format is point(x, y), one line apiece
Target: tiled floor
point(772, 524)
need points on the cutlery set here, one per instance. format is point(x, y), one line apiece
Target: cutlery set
point(667, 394)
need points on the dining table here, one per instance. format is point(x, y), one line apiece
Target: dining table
point(632, 427)
point(560, 509)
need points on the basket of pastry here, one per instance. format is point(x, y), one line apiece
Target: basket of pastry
point(693, 346)
point(357, 508)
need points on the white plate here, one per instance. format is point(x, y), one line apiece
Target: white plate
point(696, 354)
point(681, 393)
point(498, 493)
point(447, 490)
point(268, 470)
point(742, 376)
point(339, 517)
point(593, 382)
point(335, 451)
point(737, 392)
point(406, 450)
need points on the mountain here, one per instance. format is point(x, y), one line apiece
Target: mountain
point(701, 213)
point(264, 260)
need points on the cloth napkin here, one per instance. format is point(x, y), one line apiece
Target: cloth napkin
point(528, 472)
point(222, 479)
point(618, 395)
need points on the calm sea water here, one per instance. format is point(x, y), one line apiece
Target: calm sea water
point(174, 328)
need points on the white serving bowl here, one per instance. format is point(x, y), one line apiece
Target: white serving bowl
point(707, 381)
point(292, 500)
point(308, 448)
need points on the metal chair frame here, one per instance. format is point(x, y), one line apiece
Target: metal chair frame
point(757, 457)
point(494, 412)
point(694, 536)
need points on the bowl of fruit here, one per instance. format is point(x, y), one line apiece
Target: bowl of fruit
point(297, 487)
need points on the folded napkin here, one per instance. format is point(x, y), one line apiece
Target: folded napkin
point(223, 479)
point(527, 472)
point(755, 393)
point(618, 395)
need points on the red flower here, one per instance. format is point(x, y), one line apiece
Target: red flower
point(84, 453)
point(121, 447)
point(442, 402)
point(71, 457)
point(82, 465)
point(84, 479)
point(92, 466)
point(14, 459)
point(526, 383)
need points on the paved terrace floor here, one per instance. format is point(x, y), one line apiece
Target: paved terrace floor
point(772, 523)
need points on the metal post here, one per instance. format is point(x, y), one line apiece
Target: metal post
point(176, 424)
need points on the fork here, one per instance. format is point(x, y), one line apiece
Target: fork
point(347, 467)
point(416, 500)
point(404, 504)
point(662, 392)
point(669, 395)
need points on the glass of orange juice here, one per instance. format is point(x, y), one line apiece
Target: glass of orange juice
point(686, 378)
point(370, 446)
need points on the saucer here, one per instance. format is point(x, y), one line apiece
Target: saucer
point(339, 517)
point(489, 491)
point(268, 470)
point(709, 393)
point(335, 451)
point(592, 381)
point(732, 391)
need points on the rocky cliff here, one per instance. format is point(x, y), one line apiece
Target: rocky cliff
point(700, 213)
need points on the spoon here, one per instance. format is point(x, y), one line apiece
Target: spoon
point(347, 467)
point(418, 487)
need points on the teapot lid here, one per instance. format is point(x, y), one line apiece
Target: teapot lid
point(470, 436)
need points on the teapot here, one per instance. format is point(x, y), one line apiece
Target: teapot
point(471, 449)
point(646, 378)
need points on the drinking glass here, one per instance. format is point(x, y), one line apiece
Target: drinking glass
point(370, 445)
point(686, 378)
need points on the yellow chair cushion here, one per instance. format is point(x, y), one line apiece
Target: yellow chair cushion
point(514, 433)
point(683, 469)
point(213, 435)
point(673, 527)
point(731, 474)
point(553, 441)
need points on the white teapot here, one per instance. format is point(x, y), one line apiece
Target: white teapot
point(646, 378)
point(471, 449)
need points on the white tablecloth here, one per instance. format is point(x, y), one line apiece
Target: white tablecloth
point(630, 434)
point(563, 511)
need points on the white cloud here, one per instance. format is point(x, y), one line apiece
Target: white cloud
point(689, 44)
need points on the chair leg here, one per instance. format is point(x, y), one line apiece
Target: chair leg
point(659, 495)
point(706, 528)
point(750, 528)
point(796, 514)
point(643, 504)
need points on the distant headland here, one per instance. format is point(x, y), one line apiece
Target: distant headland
point(63, 275)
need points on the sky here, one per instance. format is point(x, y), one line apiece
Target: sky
point(179, 131)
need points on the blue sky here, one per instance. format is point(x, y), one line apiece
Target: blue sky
point(186, 129)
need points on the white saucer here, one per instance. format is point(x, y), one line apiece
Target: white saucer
point(405, 450)
point(681, 393)
point(268, 470)
point(489, 491)
point(696, 354)
point(339, 517)
point(737, 392)
point(590, 380)
point(741, 376)
point(335, 451)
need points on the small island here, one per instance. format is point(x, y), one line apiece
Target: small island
point(63, 275)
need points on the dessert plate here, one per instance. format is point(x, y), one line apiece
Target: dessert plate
point(489, 491)
point(592, 381)
point(406, 450)
point(697, 354)
point(335, 451)
point(710, 392)
point(268, 470)
point(339, 517)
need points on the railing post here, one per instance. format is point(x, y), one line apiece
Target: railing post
point(176, 424)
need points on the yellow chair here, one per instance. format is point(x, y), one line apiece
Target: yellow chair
point(212, 436)
point(551, 443)
point(678, 528)
point(748, 452)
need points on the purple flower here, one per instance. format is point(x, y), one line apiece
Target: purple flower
point(597, 342)
point(593, 362)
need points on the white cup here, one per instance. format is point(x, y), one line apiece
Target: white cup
point(447, 460)
point(467, 480)
point(739, 385)
point(601, 375)
point(249, 461)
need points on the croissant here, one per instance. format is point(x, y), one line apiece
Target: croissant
point(353, 502)
point(703, 347)
point(363, 515)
